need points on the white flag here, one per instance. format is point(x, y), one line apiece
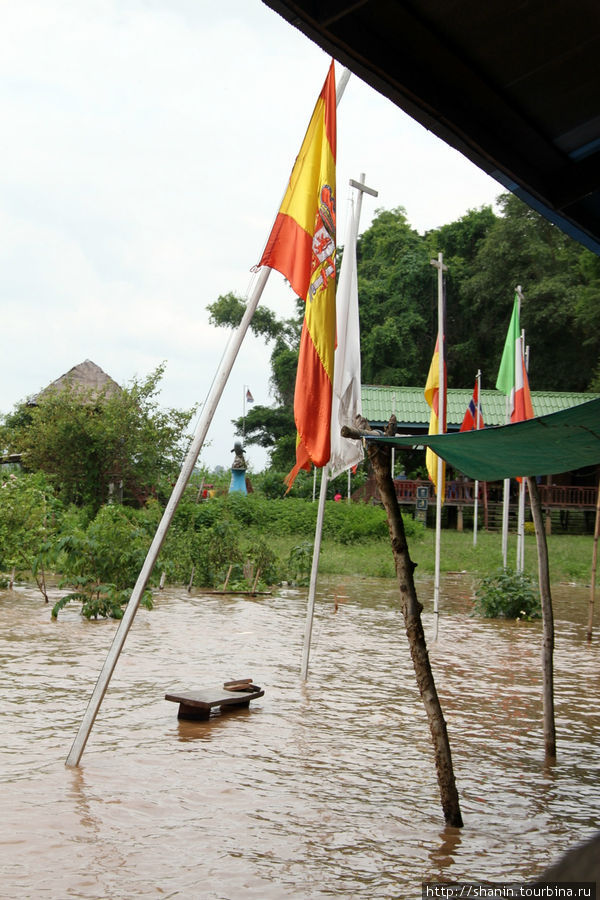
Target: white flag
point(346, 401)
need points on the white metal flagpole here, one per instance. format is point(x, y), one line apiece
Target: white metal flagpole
point(361, 188)
point(312, 589)
point(520, 566)
point(439, 265)
point(208, 412)
point(506, 495)
point(188, 467)
point(243, 414)
point(476, 486)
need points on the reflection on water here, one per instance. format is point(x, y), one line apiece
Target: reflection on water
point(317, 790)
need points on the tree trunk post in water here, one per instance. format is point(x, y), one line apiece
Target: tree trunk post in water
point(379, 456)
point(590, 624)
point(547, 619)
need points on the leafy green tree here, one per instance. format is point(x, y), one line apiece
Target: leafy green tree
point(84, 443)
point(460, 242)
point(397, 301)
point(561, 285)
point(29, 519)
point(487, 256)
point(101, 563)
point(270, 427)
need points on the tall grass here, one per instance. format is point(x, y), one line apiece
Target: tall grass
point(570, 555)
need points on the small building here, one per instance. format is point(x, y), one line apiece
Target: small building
point(86, 379)
point(569, 498)
point(89, 383)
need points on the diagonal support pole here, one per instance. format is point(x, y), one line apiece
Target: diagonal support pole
point(184, 476)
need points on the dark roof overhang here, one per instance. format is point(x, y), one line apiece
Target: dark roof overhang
point(513, 85)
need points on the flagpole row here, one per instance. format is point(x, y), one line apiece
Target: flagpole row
point(208, 412)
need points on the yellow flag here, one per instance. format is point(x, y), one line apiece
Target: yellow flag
point(432, 396)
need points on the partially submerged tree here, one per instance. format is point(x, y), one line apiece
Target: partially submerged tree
point(28, 521)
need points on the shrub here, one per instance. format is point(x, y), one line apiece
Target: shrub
point(102, 562)
point(300, 562)
point(507, 594)
point(29, 518)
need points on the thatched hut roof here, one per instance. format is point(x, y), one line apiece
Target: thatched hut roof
point(87, 378)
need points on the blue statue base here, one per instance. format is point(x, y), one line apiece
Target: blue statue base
point(238, 481)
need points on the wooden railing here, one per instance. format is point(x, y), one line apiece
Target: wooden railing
point(462, 493)
point(568, 496)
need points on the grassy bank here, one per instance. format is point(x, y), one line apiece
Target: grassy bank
point(570, 555)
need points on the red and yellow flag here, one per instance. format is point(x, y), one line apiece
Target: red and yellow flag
point(432, 396)
point(302, 247)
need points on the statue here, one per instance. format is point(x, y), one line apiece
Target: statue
point(238, 470)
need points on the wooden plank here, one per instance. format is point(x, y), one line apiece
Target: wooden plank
point(198, 704)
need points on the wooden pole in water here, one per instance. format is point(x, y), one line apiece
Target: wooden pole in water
point(208, 412)
point(379, 456)
point(547, 619)
point(590, 624)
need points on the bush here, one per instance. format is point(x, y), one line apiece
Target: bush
point(29, 518)
point(102, 562)
point(300, 562)
point(509, 595)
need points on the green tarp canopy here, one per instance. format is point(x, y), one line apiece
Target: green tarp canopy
point(547, 445)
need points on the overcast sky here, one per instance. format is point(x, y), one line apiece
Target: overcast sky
point(146, 147)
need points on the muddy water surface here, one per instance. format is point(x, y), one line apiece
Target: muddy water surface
point(319, 790)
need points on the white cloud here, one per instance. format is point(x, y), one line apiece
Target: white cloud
point(146, 148)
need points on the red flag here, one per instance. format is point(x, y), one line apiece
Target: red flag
point(472, 421)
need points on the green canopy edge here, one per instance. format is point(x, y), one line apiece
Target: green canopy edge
point(546, 445)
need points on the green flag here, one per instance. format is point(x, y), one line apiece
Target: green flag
point(505, 381)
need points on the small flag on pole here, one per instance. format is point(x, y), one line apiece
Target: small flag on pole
point(302, 247)
point(473, 417)
point(512, 375)
point(249, 397)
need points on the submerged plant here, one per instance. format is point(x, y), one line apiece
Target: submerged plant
point(507, 594)
point(300, 562)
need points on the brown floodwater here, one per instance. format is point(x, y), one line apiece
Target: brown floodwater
point(316, 791)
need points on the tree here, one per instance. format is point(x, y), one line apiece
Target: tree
point(29, 515)
point(561, 285)
point(269, 427)
point(487, 255)
point(397, 302)
point(460, 242)
point(84, 444)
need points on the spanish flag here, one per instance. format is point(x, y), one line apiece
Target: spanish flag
point(432, 396)
point(302, 247)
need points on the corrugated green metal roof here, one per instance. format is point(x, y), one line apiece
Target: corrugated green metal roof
point(409, 406)
point(559, 442)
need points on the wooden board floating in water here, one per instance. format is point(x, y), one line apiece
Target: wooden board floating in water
point(197, 705)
